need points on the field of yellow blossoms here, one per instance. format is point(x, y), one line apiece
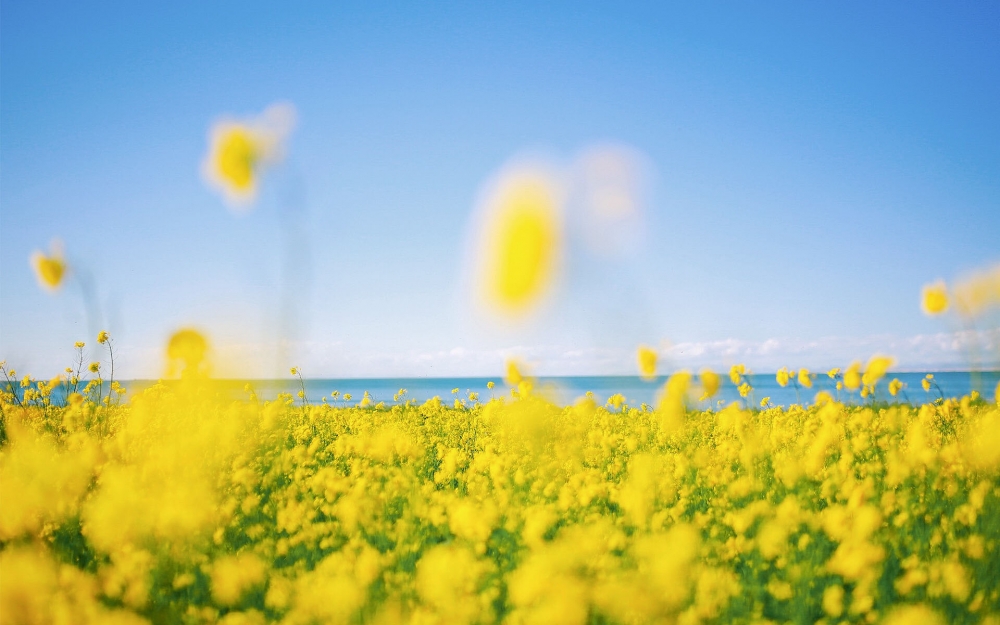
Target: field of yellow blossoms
point(182, 505)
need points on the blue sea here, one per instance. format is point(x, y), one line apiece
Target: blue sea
point(566, 390)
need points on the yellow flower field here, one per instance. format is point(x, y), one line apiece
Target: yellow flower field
point(184, 506)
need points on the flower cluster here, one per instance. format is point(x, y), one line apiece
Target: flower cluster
point(189, 506)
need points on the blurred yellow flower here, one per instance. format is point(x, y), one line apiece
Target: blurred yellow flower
point(239, 151)
point(736, 372)
point(522, 244)
point(895, 386)
point(646, 358)
point(94, 367)
point(709, 383)
point(914, 615)
point(876, 369)
point(514, 375)
point(805, 379)
point(186, 351)
point(977, 293)
point(926, 382)
point(852, 376)
point(782, 376)
point(103, 336)
point(50, 270)
point(934, 300)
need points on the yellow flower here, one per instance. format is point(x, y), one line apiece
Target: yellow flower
point(646, 358)
point(490, 384)
point(295, 370)
point(744, 389)
point(103, 336)
point(926, 382)
point(978, 292)
point(239, 151)
point(522, 243)
point(764, 402)
point(913, 615)
point(186, 351)
point(895, 386)
point(514, 375)
point(805, 379)
point(934, 300)
point(49, 270)
point(852, 377)
point(833, 373)
point(736, 372)
point(94, 367)
point(876, 369)
point(710, 383)
point(782, 376)
point(79, 344)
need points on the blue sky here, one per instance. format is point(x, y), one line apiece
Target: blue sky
point(812, 167)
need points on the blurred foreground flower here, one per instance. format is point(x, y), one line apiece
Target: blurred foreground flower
point(50, 270)
point(186, 353)
point(709, 383)
point(934, 300)
point(610, 194)
point(521, 242)
point(977, 293)
point(239, 152)
point(646, 357)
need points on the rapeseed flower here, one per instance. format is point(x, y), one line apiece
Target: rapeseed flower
point(187, 350)
point(709, 383)
point(875, 370)
point(805, 378)
point(977, 293)
point(782, 377)
point(239, 151)
point(646, 358)
point(50, 269)
point(895, 386)
point(934, 298)
point(521, 243)
point(852, 376)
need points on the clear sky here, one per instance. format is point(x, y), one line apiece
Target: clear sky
point(812, 166)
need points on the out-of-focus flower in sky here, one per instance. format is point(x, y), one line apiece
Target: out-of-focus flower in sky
point(187, 350)
point(646, 358)
point(521, 242)
point(977, 292)
point(240, 151)
point(610, 188)
point(934, 298)
point(50, 269)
